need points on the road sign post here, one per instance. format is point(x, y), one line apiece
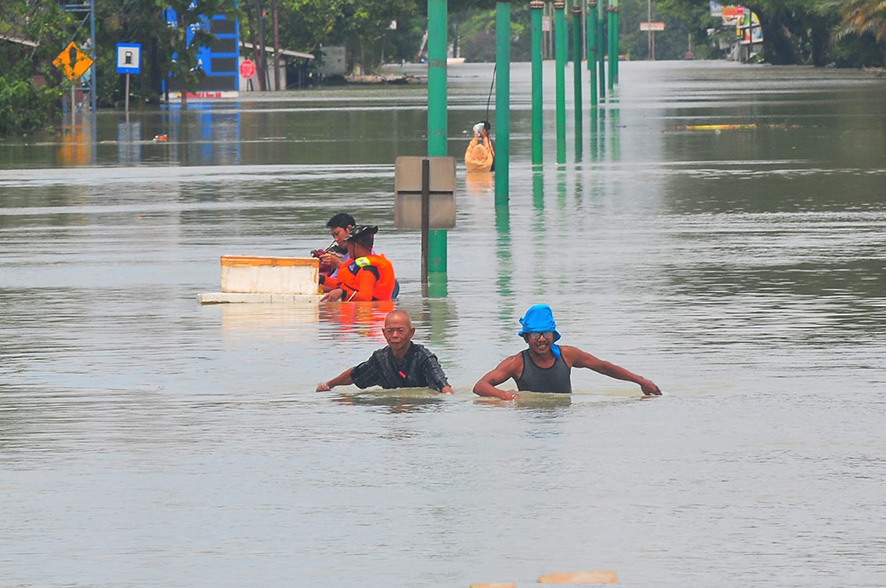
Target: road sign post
point(128, 62)
point(247, 70)
point(73, 63)
point(652, 27)
point(424, 198)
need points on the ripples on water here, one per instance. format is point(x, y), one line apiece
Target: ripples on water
point(146, 440)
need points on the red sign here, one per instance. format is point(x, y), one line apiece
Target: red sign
point(247, 69)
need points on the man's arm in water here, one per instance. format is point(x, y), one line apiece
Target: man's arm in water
point(511, 367)
point(343, 379)
point(578, 358)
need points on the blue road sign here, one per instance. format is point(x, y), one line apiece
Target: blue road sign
point(129, 58)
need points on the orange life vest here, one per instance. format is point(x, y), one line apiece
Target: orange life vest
point(354, 275)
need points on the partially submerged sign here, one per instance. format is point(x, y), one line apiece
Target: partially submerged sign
point(73, 62)
point(408, 192)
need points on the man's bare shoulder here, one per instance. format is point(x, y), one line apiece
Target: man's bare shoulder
point(512, 364)
point(574, 355)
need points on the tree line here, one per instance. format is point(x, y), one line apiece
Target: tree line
point(844, 33)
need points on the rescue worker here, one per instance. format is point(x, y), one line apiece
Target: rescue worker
point(546, 367)
point(480, 157)
point(367, 277)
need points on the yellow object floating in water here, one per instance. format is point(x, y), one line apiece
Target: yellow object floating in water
point(590, 577)
point(717, 127)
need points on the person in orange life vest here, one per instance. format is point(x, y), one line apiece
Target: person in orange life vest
point(480, 157)
point(367, 276)
point(546, 367)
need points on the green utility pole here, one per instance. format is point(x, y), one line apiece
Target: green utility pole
point(560, 39)
point(536, 7)
point(614, 73)
point(592, 49)
point(502, 100)
point(601, 51)
point(437, 120)
point(610, 38)
point(576, 71)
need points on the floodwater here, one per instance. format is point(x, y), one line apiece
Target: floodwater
point(148, 441)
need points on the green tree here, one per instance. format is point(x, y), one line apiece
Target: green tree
point(865, 18)
point(31, 88)
point(794, 31)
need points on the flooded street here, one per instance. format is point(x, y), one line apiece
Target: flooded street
point(146, 440)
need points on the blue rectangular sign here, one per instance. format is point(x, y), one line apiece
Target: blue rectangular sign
point(129, 58)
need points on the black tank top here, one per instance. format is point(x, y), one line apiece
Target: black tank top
point(553, 379)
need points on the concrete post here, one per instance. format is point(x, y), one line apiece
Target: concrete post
point(614, 73)
point(502, 101)
point(560, 38)
point(592, 50)
point(576, 74)
point(536, 8)
point(601, 51)
point(437, 119)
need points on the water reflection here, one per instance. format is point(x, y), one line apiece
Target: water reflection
point(398, 401)
point(535, 402)
point(76, 148)
point(365, 319)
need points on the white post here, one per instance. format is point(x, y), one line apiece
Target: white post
point(127, 96)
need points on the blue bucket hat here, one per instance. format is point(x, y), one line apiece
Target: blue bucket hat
point(539, 319)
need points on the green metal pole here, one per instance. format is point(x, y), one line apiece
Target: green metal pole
point(437, 120)
point(560, 39)
point(502, 101)
point(592, 49)
point(615, 63)
point(536, 8)
point(601, 52)
point(610, 38)
point(576, 75)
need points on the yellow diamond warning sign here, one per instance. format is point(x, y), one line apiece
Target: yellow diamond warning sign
point(73, 62)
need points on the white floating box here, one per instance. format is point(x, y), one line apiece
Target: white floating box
point(266, 279)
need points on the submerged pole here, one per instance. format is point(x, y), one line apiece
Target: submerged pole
point(601, 52)
point(615, 63)
point(437, 120)
point(610, 38)
point(536, 8)
point(502, 100)
point(592, 50)
point(560, 46)
point(576, 71)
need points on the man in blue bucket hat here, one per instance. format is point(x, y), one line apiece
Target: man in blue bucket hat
point(545, 366)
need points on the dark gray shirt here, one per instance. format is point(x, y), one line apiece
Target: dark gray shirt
point(553, 379)
point(418, 369)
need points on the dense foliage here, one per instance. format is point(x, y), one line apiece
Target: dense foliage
point(30, 86)
point(847, 33)
point(813, 32)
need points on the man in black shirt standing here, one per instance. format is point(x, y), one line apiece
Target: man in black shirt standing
point(401, 364)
